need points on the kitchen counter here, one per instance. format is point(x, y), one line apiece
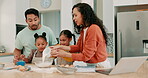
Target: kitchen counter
point(141, 73)
point(5, 54)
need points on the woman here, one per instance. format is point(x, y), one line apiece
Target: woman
point(92, 42)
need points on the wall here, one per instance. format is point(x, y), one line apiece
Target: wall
point(99, 9)
point(55, 5)
point(66, 16)
point(108, 15)
point(52, 20)
point(7, 24)
point(0, 21)
point(21, 7)
point(90, 2)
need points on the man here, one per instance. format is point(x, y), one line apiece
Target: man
point(25, 39)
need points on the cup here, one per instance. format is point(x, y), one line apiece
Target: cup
point(22, 63)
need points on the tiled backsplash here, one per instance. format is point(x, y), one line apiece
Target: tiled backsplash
point(110, 43)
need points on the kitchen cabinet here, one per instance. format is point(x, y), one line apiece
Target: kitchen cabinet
point(6, 59)
point(142, 1)
point(132, 33)
point(124, 2)
point(129, 2)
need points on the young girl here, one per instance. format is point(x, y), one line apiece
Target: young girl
point(65, 39)
point(36, 55)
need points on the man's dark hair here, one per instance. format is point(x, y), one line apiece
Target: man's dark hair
point(31, 11)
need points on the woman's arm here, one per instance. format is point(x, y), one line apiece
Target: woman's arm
point(67, 48)
point(60, 53)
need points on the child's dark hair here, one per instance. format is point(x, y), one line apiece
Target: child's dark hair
point(68, 34)
point(36, 36)
point(31, 11)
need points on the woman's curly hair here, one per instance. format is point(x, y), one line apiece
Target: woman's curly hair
point(89, 18)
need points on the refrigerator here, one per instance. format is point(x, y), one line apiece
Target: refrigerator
point(132, 34)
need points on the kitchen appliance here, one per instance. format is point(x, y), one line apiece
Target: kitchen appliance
point(132, 34)
point(2, 49)
point(125, 65)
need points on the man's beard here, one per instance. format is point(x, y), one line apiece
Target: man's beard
point(33, 27)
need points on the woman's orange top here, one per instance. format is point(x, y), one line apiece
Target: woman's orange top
point(93, 50)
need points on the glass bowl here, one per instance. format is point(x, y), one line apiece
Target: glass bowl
point(2, 66)
point(44, 64)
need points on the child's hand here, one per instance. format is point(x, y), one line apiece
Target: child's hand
point(16, 59)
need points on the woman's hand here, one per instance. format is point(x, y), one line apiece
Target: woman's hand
point(53, 52)
point(22, 57)
point(56, 47)
point(60, 47)
point(60, 53)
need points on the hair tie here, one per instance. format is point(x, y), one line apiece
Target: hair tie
point(44, 34)
point(36, 35)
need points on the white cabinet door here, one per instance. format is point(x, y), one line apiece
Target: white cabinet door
point(142, 1)
point(125, 2)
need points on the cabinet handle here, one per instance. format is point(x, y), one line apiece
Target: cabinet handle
point(137, 25)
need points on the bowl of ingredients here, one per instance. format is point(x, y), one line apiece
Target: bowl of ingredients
point(22, 63)
point(66, 69)
point(45, 63)
point(2, 66)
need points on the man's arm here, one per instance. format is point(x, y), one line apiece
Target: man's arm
point(17, 54)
